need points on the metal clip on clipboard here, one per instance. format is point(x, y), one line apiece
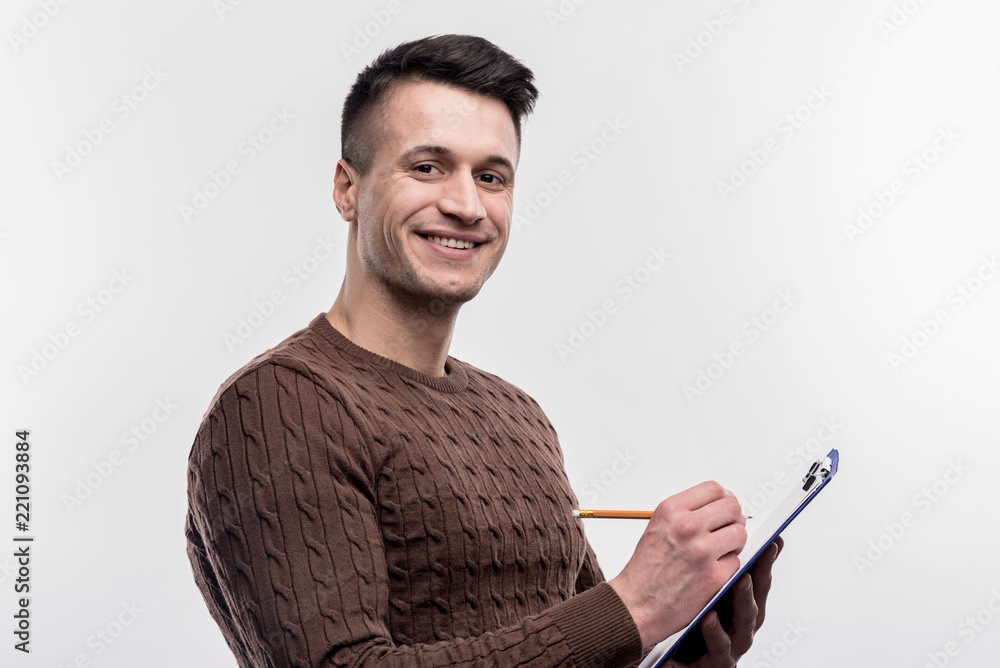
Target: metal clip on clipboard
point(818, 471)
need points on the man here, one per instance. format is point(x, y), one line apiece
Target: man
point(358, 497)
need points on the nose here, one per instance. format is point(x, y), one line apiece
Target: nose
point(460, 199)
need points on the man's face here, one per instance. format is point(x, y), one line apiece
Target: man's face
point(433, 214)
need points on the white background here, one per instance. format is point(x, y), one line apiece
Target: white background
point(855, 585)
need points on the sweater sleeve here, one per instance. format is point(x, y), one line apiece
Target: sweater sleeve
point(285, 543)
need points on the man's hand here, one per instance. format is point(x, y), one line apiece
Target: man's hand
point(685, 555)
point(727, 646)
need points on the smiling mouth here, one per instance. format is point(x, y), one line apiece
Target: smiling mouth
point(448, 242)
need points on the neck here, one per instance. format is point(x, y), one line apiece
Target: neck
point(407, 332)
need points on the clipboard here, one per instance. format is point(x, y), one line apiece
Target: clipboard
point(761, 535)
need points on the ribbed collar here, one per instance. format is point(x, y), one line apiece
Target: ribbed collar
point(456, 380)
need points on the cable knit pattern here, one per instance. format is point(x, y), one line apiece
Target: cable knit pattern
point(346, 510)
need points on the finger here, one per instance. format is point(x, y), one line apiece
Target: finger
point(744, 621)
point(761, 573)
point(762, 566)
point(716, 640)
point(730, 538)
point(703, 494)
point(720, 513)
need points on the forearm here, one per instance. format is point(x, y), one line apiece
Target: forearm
point(590, 629)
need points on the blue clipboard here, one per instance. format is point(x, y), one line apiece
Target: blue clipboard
point(763, 534)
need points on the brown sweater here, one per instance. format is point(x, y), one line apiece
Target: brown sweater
point(346, 510)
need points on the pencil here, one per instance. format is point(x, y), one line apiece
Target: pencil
point(615, 514)
point(623, 514)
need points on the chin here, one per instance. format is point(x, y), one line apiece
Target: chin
point(431, 296)
point(452, 292)
point(457, 296)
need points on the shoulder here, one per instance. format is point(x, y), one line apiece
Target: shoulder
point(303, 386)
point(305, 359)
point(500, 393)
point(506, 407)
point(484, 381)
point(301, 389)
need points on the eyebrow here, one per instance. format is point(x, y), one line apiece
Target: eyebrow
point(448, 153)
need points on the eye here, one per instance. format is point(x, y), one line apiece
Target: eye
point(425, 168)
point(492, 180)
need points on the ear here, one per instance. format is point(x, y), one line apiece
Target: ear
point(345, 190)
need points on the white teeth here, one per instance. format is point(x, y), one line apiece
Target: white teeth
point(451, 243)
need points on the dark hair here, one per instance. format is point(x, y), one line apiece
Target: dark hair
point(467, 62)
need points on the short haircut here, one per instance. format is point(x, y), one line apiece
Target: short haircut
point(466, 62)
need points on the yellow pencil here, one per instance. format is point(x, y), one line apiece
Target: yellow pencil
point(623, 514)
point(615, 514)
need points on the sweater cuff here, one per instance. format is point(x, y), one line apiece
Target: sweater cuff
point(599, 629)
